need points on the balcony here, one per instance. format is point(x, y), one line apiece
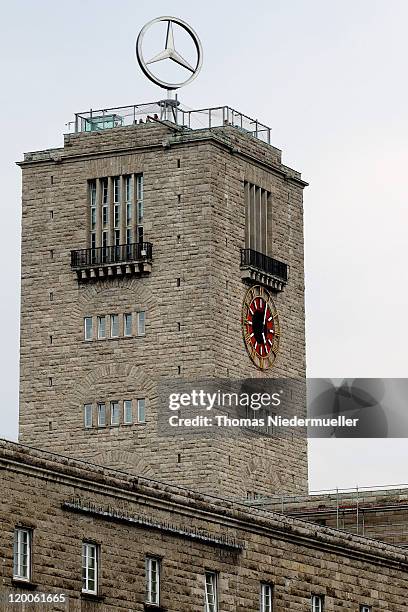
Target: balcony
point(112, 261)
point(263, 269)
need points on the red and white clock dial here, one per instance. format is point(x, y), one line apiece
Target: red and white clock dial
point(260, 326)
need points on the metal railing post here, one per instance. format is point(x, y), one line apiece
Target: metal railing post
point(337, 507)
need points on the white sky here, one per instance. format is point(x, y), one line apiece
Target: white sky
point(330, 79)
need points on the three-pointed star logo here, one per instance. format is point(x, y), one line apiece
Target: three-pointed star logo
point(170, 51)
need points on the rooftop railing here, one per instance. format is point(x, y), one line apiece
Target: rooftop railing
point(205, 118)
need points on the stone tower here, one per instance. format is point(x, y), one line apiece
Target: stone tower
point(139, 242)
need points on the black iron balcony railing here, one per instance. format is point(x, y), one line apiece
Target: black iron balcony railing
point(110, 255)
point(264, 263)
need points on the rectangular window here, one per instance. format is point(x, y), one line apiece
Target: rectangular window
point(266, 598)
point(317, 603)
point(105, 216)
point(92, 192)
point(127, 324)
point(93, 218)
point(211, 594)
point(140, 213)
point(89, 568)
point(101, 328)
point(22, 554)
point(366, 609)
point(141, 326)
point(105, 246)
point(127, 412)
point(139, 203)
point(141, 410)
point(128, 188)
point(116, 189)
point(114, 326)
point(129, 213)
point(101, 415)
point(139, 187)
point(104, 191)
point(88, 415)
point(116, 215)
point(114, 413)
point(88, 328)
point(117, 241)
point(128, 236)
point(152, 580)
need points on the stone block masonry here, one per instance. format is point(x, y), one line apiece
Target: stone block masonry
point(194, 216)
point(65, 502)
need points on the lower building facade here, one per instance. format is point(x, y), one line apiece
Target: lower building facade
point(77, 536)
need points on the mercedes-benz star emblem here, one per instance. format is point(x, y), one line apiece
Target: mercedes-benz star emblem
point(170, 52)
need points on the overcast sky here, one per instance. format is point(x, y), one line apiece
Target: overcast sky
point(330, 79)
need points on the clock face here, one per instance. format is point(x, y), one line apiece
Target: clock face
point(260, 326)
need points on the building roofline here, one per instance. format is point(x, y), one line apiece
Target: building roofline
point(44, 464)
point(178, 138)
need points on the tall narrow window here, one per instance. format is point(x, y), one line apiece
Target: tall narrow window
point(101, 328)
point(101, 415)
point(114, 413)
point(116, 189)
point(128, 188)
point(129, 210)
point(92, 200)
point(105, 203)
point(127, 412)
point(93, 247)
point(258, 218)
point(139, 198)
point(114, 326)
point(211, 594)
point(105, 250)
point(22, 554)
point(366, 609)
point(141, 325)
point(88, 328)
point(116, 209)
point(141, 410)
point(127, 324)
point(129, 213)
point(104, 191)
point(90, 555)
point(266, 598)
point(139, 207)
point(152, 580)
point(92, 192)
point(92, 224)
point(88, 415)
point(105, 216)
point(317, 603)
point(93, 218)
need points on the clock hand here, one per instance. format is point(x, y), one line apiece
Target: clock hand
point(266, 308)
